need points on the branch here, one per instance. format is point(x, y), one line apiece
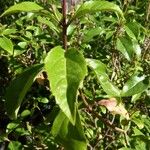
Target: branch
point(64, 24)
point(105, 121)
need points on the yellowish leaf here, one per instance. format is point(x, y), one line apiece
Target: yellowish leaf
point(114, 107)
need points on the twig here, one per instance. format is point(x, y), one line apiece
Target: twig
point(105, 121)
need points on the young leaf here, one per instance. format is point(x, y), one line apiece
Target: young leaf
point(100, 70)
point(134, 86)
point(18, 88)
point(6, 44)
point(65, 73)
point(95, 6)
point(71, 137)
point(22, 7)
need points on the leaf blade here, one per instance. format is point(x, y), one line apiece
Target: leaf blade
point(65, 72)
point(22, 7)
point(95, 6)
point(135, 85)
point(71, 137)
point(18, 88)
point(100, 70)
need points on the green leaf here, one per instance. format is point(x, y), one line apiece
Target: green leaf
point(18, 88)
point(135, 85)
point(125, 46)
point(9, 31)
point(71, 137)
point(133, 29)
point(95, 6)
point(139, 122)
point(12, 126)
point(91, 33)
point(130, 33)
point(14, 145)
point(43, 100)
point(100, 70)
point(6, 44)
point(25, 113)
point(49, 23)
point(65, 72)
point(22, 7)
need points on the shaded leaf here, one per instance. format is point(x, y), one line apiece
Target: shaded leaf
point(65, 73)
point(22, 7)
point(91, 33)
point(6, 44)
point(125, 46)
point(71, 137)
point(100, 70)
point(18, 88)
point(135, 85)
point(132, 29)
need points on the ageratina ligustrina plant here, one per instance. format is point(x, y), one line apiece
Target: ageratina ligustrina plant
point(78, 75)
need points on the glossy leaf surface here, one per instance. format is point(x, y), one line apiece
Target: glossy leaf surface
point(71, 137)
point(18, 88)
point(23, 7)
point(95, 6)
point(100, 70)
point(135, 85)
point(65, 73)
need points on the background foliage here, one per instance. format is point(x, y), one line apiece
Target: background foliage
point(95, 95)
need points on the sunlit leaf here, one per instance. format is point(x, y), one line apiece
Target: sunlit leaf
point(135, 85)
point(95, 6)
point(139, 122)
point(6, 44)
point(18, 88)
point(65, 73)
point(100, 70)
point(23, 7)
point(71, 137)
point(14, 145)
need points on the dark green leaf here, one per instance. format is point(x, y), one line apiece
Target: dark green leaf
point(18, 88)
point(100, 70)
point(71, 137)
point(23, 7)
point(91, 33)
point(65, 72)
point(135, 85)
point(125, 46)
point(6, 44)
point(132, 29)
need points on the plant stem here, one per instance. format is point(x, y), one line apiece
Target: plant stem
point(105, 121)
point(64, 24)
